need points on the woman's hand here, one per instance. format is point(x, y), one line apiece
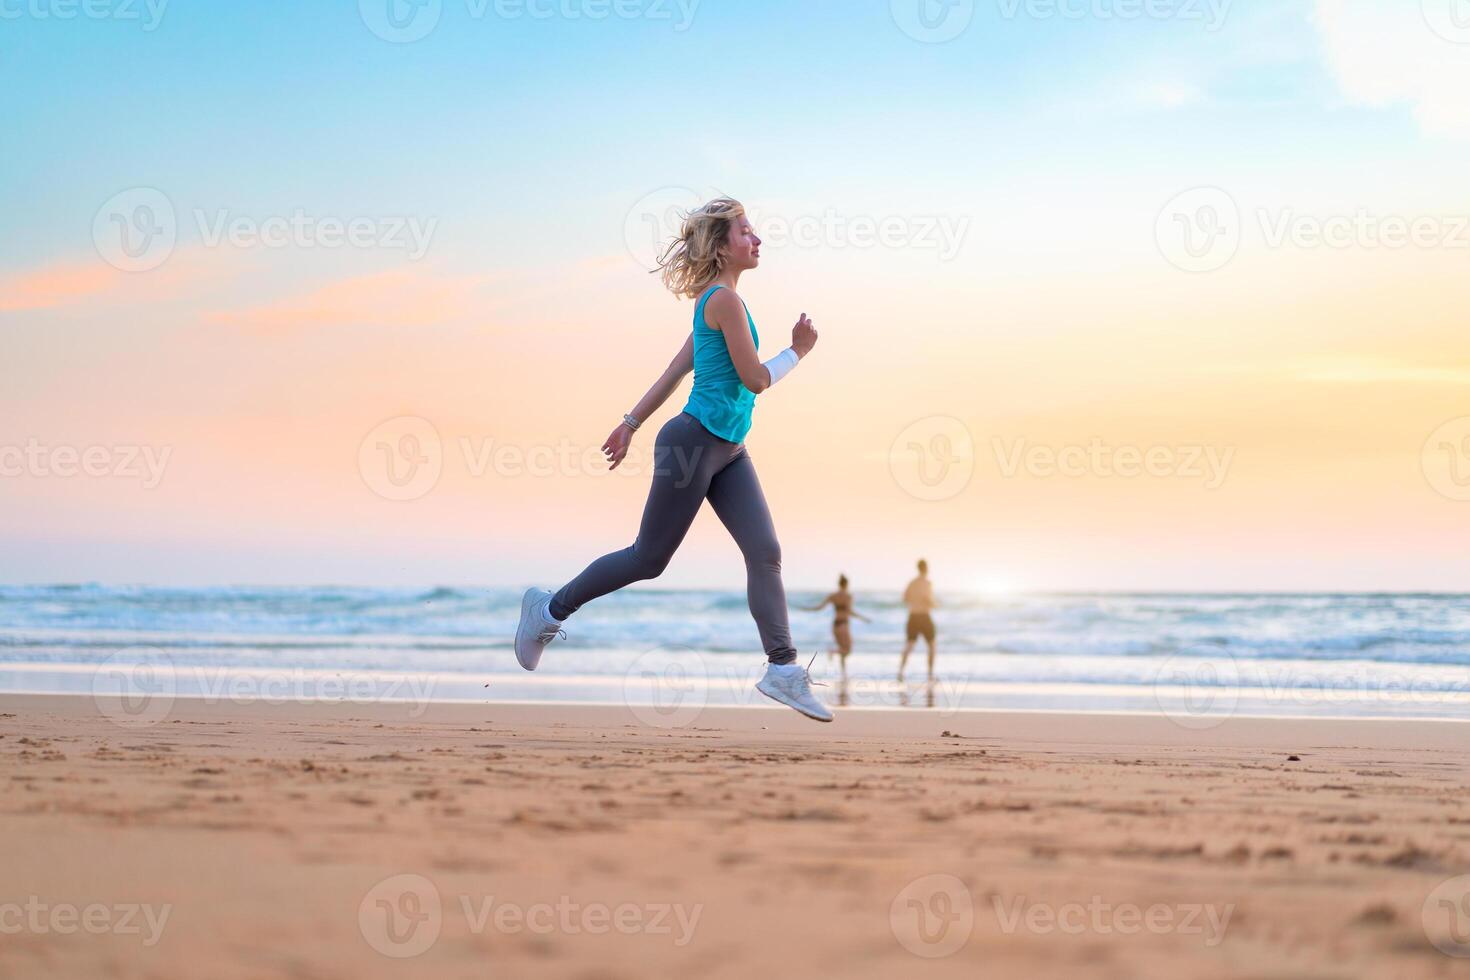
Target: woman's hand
point(616, 446)
point(803, 336)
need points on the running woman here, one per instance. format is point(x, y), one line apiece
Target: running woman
point(841, 603)
point(700, 453)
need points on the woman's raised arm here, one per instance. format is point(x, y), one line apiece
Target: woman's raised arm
point(727, 314)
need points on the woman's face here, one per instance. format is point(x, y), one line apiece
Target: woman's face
point(742, 245)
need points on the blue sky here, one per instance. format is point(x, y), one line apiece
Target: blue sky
point(523, 121)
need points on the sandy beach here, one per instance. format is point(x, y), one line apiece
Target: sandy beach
point(343, 840)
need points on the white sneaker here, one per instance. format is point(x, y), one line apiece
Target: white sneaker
point(537, 628)
point(791, 685)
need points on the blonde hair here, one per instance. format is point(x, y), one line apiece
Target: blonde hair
point(692, 261)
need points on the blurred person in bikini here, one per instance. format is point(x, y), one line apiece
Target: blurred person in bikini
point(841, 603)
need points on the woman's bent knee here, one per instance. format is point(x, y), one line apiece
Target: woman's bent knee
point(764, 555)
point(650, 566)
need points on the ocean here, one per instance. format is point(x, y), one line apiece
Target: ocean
point(1196, 657)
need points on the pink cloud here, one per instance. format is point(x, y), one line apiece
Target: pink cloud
point(396, 297)
point(60, 284)
point(68, 283)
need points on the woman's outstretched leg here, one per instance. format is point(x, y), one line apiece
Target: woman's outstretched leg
point(685, 455)
point(735, 494)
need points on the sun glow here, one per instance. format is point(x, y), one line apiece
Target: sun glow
point(996, 586)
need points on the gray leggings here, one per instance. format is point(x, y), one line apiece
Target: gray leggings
point(690, 466)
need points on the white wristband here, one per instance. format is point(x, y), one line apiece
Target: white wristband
point(781, 364)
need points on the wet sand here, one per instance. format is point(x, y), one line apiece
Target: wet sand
point(344, 840)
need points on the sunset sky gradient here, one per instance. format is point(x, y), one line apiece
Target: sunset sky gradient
point(533, 146)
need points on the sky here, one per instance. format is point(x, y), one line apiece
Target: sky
point(1112, 294)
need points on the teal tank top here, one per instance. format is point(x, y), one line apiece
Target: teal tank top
point(719, 398)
